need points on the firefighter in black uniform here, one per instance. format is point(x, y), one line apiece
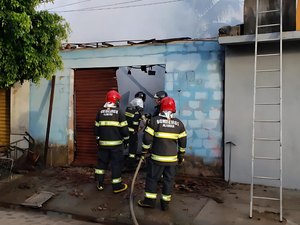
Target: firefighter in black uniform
point(134, 115)
point(165, 139)
point(112, 133)
point(158, 97)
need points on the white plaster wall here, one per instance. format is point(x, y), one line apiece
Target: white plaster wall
point(19, 112)
point(239, 67)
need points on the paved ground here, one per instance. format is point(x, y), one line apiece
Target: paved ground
point(201, 201)
point(9, 216)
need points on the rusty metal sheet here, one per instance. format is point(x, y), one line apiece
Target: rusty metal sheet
point(90, 88)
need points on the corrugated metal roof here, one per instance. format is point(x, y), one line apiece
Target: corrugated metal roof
point(107, 44)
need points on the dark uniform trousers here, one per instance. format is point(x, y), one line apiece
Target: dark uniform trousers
point(114, 155)
point(132, 149)
point(133, 144)
point(154, 174)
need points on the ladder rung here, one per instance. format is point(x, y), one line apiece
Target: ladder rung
point(267, 86)
point(268, 39)
point(268, 70)
point(266, 198)
point(266, 158)
point(269, 25)
point(269, 11)
point(267, 104)
point(266, 139)
point(266, 55)
point(260, 40)
point(266, 178)
point(267, 121)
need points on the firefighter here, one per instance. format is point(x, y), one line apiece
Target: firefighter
point(157, 98)
point(165, 139)
point(112, 133)
point(134, 114)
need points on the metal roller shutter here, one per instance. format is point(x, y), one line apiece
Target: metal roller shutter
point(4, 117)
point(90, 88)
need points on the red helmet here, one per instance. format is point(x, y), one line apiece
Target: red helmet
point(168, 104)
point(113, 97)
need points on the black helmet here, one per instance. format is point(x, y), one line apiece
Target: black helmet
point(160, 95)
point(141, 95)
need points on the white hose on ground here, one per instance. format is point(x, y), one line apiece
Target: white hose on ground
point(131, 191)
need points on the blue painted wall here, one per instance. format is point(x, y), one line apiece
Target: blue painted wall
point(197, 86)
point(39, 110)
point(194, 79)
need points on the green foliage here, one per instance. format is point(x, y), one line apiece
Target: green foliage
point(29, 42)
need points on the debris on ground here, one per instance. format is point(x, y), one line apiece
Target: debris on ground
point(208, 187)
point(76, 193)
point(199, 185)
point(100, 207)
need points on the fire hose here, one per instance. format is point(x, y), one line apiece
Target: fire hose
point(135, 222)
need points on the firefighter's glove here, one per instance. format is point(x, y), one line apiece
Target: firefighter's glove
point(97, 140)
point(148, 115)
point(144, 155)
point(144, 119)
point(180, 159)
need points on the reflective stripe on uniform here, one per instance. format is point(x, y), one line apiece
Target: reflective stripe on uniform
point(130, 129)
point(166, 198)
point(108, 123)
point(110, 143)
point(126, 138)
point(166, 135)
point(111, 123)
point(183, 134)
point(150, 195)
point(131, 155)
point(146, 146)
point(160, 158)
point(98, 171)
point(128, 114)
point(123, 124)
point(182, 150)
point(149, 130)
point(116, 180)
point(135, 123)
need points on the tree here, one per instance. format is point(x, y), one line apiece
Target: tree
point(30, 41)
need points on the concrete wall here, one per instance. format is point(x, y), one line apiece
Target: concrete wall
point(196, 83)
point(239, 67)
point(194, 78)
point(19, 114)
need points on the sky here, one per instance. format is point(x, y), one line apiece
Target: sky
point(117, 20)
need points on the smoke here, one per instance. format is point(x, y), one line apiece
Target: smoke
point(114, 20)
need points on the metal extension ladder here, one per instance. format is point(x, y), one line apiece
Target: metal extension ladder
point(267, 111)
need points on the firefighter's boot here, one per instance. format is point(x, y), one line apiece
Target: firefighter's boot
point(121, 189)
point(147, 203)
point(100, 187)
point(164, 205)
